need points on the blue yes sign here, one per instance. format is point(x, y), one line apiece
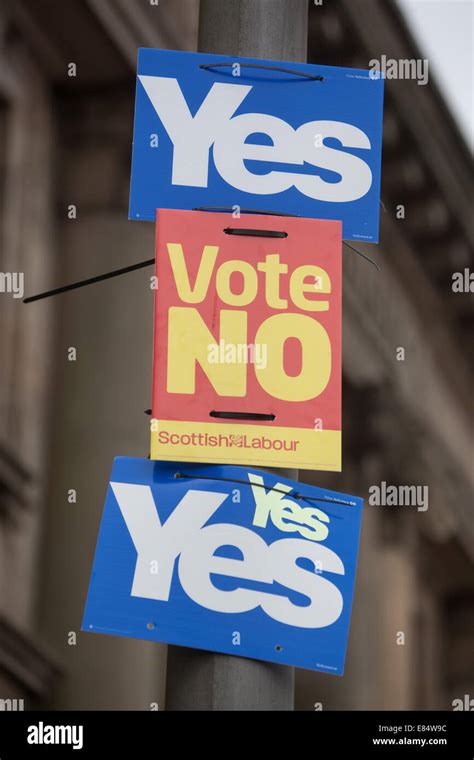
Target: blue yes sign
point(217, 131)
point(227, 559)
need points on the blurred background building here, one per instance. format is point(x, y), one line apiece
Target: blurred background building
point(66, 114)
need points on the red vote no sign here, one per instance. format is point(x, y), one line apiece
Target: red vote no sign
point(247, 345)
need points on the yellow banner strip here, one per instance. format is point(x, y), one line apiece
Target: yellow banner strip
point(216, 443)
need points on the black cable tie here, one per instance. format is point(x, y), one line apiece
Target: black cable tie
point(295, 495)
point(254, 233)
point(150, 262)
point(89, 281)
point(315, 77)
point(231, 209)
point(234, 480)
point(364, 256)
point(242, 416)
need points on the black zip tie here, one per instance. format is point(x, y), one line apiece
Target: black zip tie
point(254, 233)
point(295, 495)
point(242, 416)
point(359, 253)
point(308, 499)
point(150, 262)
point(280, 213)
point(90, 281)
point(231, 209)
point(235, 415)
point(316, 77)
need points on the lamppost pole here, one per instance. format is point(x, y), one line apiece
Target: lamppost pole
point(196, 680)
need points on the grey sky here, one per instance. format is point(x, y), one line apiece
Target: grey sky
point(444, 31)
